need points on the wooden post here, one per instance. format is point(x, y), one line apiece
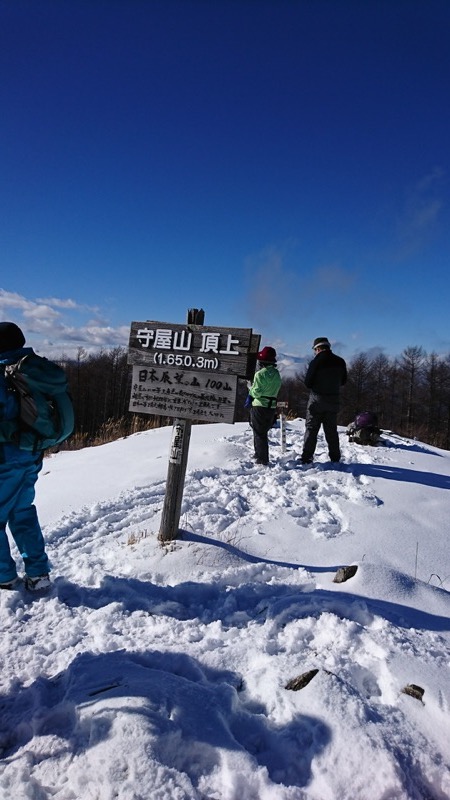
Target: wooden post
point(283, 432)
point(178, 456)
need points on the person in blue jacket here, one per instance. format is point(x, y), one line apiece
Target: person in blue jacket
point(264, 391)
point(19, 470)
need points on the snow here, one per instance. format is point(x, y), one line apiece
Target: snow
point(155, 672)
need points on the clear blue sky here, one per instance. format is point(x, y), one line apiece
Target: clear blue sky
point(283, 164)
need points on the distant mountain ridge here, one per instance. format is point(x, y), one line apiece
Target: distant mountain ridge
point(290, 365)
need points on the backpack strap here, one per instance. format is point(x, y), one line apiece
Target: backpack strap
point(9, 430)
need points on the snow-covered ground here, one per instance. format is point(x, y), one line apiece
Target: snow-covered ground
point(155, 672)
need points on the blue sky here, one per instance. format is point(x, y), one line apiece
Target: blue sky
point(283, 164)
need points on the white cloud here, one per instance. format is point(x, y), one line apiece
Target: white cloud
point(333, 277)
point(12, 300)
point(41, 313)
point(55, 326)
point(272, 288)
point(420, 213)
point(57, 302)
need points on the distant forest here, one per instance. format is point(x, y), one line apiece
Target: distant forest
point(410, 393)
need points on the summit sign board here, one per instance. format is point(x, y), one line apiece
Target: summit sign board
point(188, 371)
point(197, 347)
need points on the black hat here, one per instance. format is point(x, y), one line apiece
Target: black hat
point(321, 341)
point(11, 337)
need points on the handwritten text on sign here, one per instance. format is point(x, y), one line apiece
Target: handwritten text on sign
point(184, 394)
point(192, 347)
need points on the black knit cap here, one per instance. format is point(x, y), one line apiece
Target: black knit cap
point(11, 337)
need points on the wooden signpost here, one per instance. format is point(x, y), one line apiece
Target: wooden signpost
point(189, 372)
point(282, 408)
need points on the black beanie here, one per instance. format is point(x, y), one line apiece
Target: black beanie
point(11, 337)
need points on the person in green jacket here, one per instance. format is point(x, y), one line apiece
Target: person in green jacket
point(264, 391)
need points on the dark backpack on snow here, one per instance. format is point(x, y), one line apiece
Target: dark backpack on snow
point(364, 429)
point(46, 416)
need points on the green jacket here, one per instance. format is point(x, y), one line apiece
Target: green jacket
point(265, 387)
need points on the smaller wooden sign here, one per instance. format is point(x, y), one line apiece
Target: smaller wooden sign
point(197, 396)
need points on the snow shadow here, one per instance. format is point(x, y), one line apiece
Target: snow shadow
point(205, 602)
point(412, 447)
point(236, 606)
point(188, 711)
point(190, 536)
point(400, 474)
point(356, 608)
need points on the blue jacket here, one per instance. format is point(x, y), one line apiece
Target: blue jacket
point(9, 410)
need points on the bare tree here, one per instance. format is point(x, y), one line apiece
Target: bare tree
point(412, 360)
point(410, 395)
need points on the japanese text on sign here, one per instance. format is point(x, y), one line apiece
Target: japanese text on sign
point(224, 350)
point(187, 395)
point(176, 446)
point(167, 339)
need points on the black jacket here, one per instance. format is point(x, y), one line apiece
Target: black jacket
point(326, 374)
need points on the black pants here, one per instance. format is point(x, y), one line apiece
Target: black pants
point(261, 420)
point(317, 415)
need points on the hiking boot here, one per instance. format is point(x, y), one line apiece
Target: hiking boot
point(14, 584)
point(38, 583)
point(306, 460)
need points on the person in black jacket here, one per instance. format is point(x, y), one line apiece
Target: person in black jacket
point(325, 375)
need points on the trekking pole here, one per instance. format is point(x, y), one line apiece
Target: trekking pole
point(282, 405)
point(283, 432)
